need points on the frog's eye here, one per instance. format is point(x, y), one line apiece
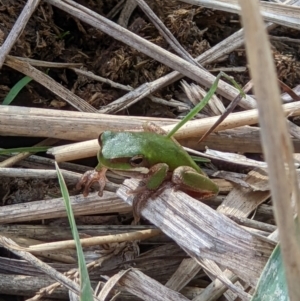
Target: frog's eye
point(138, 161)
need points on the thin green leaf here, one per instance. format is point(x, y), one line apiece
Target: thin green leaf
point(200, 159)
point(204, 102)
point(33, 149)
point(63, 35)
point(14, 91)
point(85, 285)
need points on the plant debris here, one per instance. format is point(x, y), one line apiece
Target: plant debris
point(204, 247)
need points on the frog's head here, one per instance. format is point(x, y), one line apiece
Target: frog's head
point(122, 151)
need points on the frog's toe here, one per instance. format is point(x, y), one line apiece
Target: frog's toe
point(138, 203)
point(84, 180)
point(89, 178)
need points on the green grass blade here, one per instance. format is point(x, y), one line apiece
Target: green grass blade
point(85, 285)
point(14, 91)
point(33, 149)
point(204, 102)
point(272, 283)
point(200, 159)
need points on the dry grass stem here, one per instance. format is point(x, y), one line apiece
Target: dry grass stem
point(187, 271)
point(275, 139)
point(10, 245)
point(39, 63)
point(17, 29)
point(28, 285)
point(19, 121)
point(70, 177)
point(54, 208)
point(56, 232)
point(49, 83)
point(141, 285)
point(281, 14)
point(165, 32)
point(83, 126)
point(197, 127)
point(86, 242)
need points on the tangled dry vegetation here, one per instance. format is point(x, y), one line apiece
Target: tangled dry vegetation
point(111, 65)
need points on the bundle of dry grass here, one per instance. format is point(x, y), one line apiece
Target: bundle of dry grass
point(184, 248)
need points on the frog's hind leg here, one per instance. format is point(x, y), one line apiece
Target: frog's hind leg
point(189, 180)
point(138, 203)
point(141, 199)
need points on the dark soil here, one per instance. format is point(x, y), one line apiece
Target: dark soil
point(52, 35)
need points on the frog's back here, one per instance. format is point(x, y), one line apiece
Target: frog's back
point(154, 147)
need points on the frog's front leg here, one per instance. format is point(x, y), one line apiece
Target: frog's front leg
point(90, 177)
point(157, 174)
point(188, 179)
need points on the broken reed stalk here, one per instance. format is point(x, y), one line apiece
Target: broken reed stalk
point(275, 139)
point(33, 122)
